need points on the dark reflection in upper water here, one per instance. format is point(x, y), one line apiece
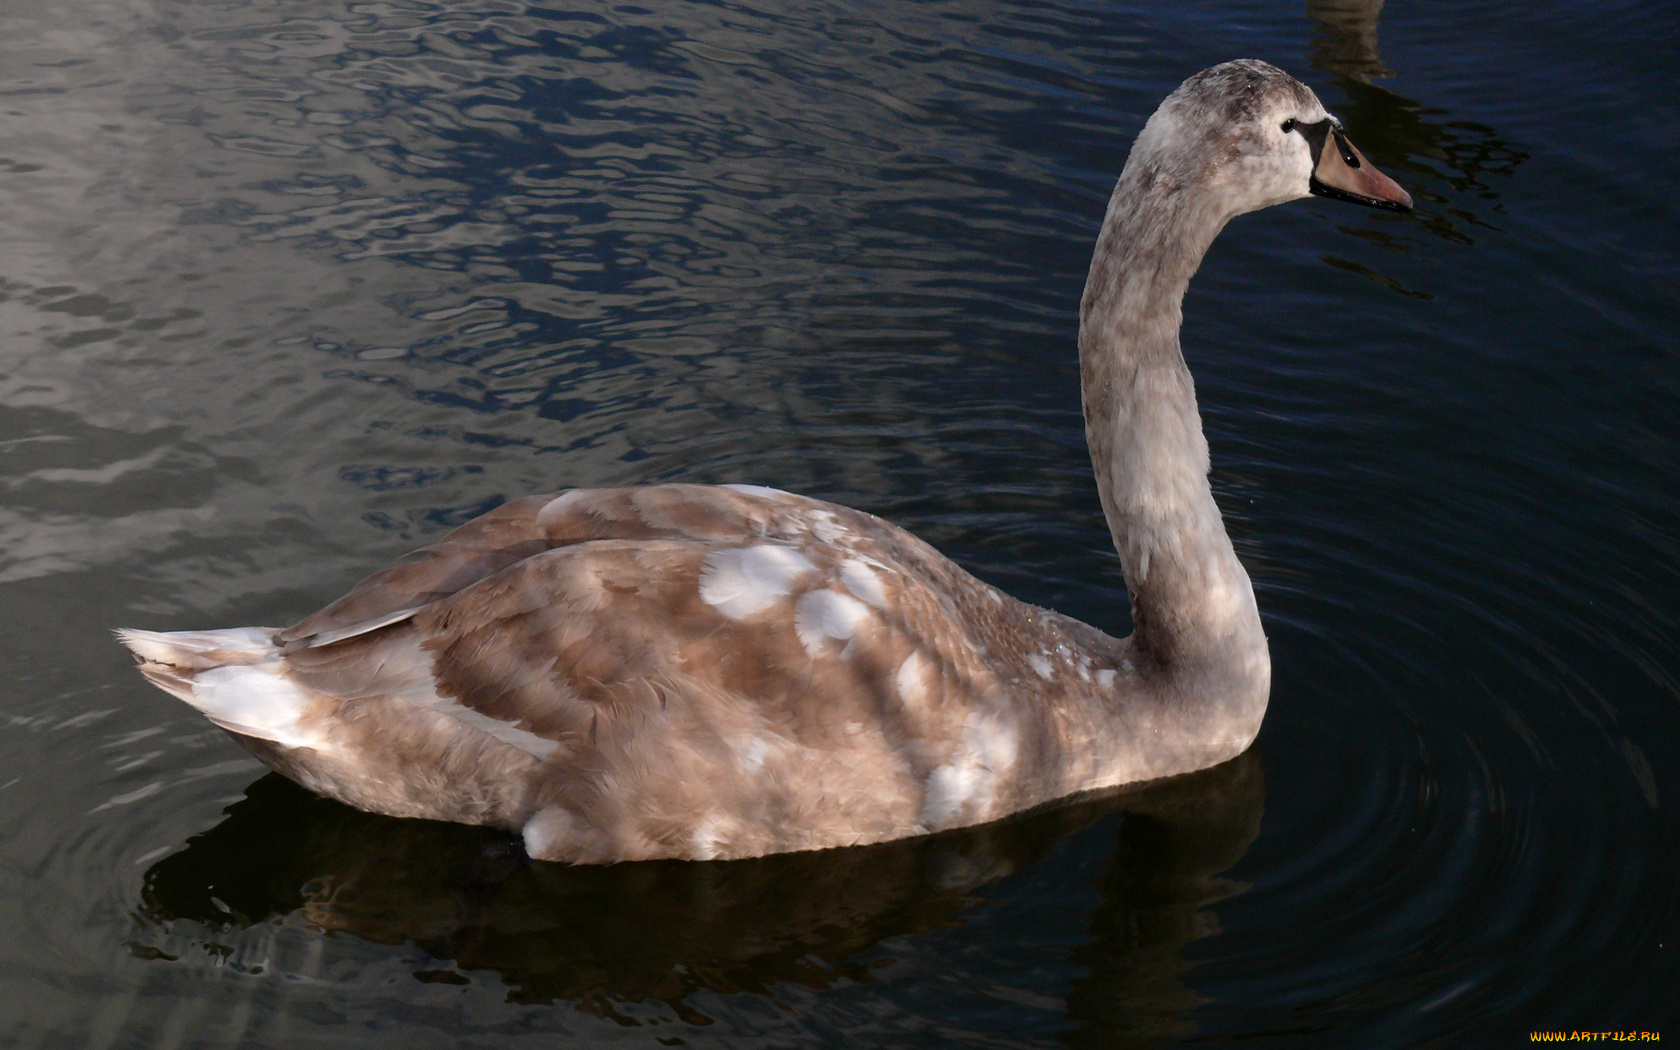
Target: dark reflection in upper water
point(1422, 147)
point(602, 938)
point(1345, 38)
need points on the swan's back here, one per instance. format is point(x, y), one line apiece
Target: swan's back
point(670, 671)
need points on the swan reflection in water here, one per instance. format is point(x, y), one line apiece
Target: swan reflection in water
point(1452, 166)
point(602, 937)
point(1345, 38)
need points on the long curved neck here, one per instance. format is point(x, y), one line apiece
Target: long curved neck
point(1196, 625)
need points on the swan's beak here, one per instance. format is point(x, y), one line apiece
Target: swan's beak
point(1342, 173)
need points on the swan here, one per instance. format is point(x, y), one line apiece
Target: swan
point(716, 672)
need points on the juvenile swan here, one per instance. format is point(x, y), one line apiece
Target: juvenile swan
point(714, 672)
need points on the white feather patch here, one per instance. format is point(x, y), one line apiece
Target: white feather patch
point(559, 505)
point(825, 528)
point(177, 647)
point(256, 702)
point(823, 614)
point(992, 742)
point(546, 830)
point(704, 842)
point(744, 580)
point(751, 752)
point(756, 490)
point(948, 788)
point(861, 580)
point(967, 784)
point(912, 682)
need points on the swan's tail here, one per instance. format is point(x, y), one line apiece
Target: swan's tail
point(235, 676)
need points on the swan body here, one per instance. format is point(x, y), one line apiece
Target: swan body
point(703, 672)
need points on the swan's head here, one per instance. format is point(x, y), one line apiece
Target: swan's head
point(1249, 135)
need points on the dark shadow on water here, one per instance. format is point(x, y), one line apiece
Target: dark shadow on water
point(1345, 38)
point(1450, 165)
point(599, 937)
point(1407, 139)
point(1169, 852)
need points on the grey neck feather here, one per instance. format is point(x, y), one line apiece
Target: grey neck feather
point(1197, 630)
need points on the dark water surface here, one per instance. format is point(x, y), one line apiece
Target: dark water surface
point(290, 287)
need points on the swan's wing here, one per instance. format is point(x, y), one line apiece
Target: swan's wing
point(745, 671)
point(487, 544)
point(524, 527)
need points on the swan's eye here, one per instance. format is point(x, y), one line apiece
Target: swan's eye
point(1289, 125)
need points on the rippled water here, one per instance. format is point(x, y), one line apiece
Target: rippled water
point(290, 287)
